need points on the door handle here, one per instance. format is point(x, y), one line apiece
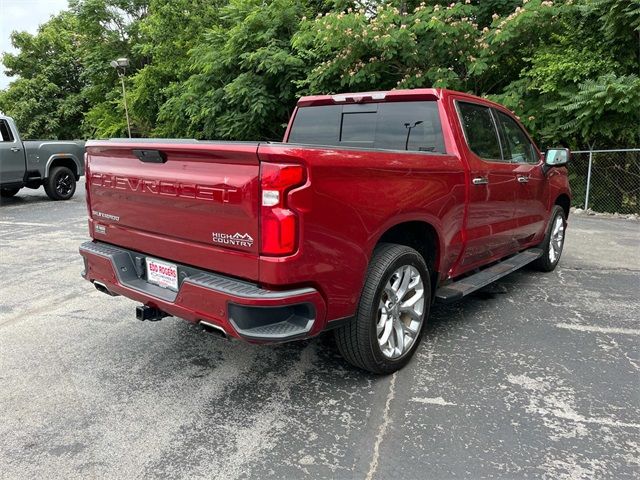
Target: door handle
point(523, 179)
point(480, 181)
point(15, 149)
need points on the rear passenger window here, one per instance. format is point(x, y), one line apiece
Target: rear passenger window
point(413, 126)
point(480, 131)
point(5, 132)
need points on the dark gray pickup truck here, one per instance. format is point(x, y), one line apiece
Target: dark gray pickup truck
point(57, 165)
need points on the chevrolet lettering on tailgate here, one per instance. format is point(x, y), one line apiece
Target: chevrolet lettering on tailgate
point(219, 193)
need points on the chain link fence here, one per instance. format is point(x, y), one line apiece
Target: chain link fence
point(606, 181)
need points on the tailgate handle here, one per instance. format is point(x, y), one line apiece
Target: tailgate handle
point(150, 156)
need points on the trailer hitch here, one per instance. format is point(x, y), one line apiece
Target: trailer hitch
point(153, 314)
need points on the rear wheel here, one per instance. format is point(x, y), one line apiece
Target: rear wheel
point(553, 242)
point(395, 302)
point(61, 184)
point(8, 192)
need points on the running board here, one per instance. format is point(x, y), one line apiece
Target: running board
point(456, 290)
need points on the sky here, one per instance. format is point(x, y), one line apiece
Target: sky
point(23, 15)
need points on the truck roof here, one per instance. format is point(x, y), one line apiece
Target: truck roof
point(385, 96)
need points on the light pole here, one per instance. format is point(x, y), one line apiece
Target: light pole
point(408, 126)
point(121, 65)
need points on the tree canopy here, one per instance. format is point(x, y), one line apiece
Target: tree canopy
point(232, 69)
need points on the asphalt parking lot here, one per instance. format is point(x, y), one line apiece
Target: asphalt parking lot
point(537, 376)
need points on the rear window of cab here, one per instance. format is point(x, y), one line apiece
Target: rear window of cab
point(410, 126)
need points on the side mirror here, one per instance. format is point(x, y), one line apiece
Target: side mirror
point(555, 157)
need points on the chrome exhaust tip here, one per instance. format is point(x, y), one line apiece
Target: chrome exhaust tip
point(213, 329)
point(101, 287)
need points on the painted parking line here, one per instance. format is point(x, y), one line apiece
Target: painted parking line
point(27, 224)
point(593, 328)
point(432, 401)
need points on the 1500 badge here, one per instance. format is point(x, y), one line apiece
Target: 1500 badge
point(235, 240)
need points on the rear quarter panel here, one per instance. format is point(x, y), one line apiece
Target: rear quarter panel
point(42, 153)
point(351, 198)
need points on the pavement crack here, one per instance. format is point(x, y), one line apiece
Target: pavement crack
point(382, 430)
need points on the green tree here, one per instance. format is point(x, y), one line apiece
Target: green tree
point(47, 99)
point(169, 31)
point(108, 29)
point(232, 69)
point(390, 48)
point(242, 76)
point(551, 58)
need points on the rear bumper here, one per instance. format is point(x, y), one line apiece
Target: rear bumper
point(241, 309)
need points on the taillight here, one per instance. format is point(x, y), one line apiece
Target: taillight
point(279, 224)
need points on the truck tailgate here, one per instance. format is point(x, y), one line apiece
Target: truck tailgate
point(191, 202)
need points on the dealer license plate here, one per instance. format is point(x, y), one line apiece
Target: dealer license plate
point(162, 274)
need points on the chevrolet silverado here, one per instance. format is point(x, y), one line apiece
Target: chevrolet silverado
point(374, 206)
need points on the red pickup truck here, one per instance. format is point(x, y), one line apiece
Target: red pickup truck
point(374, 206)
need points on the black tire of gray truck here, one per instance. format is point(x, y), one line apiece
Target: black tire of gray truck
point(61, 184)
point(544, 263)
point(8, 192)
point(357, 341)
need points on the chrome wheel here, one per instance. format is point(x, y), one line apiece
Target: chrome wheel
point(400, 312)
point(557, 239)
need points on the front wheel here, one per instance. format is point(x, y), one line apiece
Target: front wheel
point(393, 306)
point(553, 242)
point(61, 184)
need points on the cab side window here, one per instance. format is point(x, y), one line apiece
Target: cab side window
point(517, 147)
point(480, 131)
point(5, 132)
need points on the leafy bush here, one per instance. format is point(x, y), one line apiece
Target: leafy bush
point(233, 69)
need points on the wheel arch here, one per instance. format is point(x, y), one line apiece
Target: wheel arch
point(63, 160)
point(564, 201)
point(421, 236)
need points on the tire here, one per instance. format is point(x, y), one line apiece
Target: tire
point(8, 192)
point(380, 314)
point(61, 184)
point(553, 242)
